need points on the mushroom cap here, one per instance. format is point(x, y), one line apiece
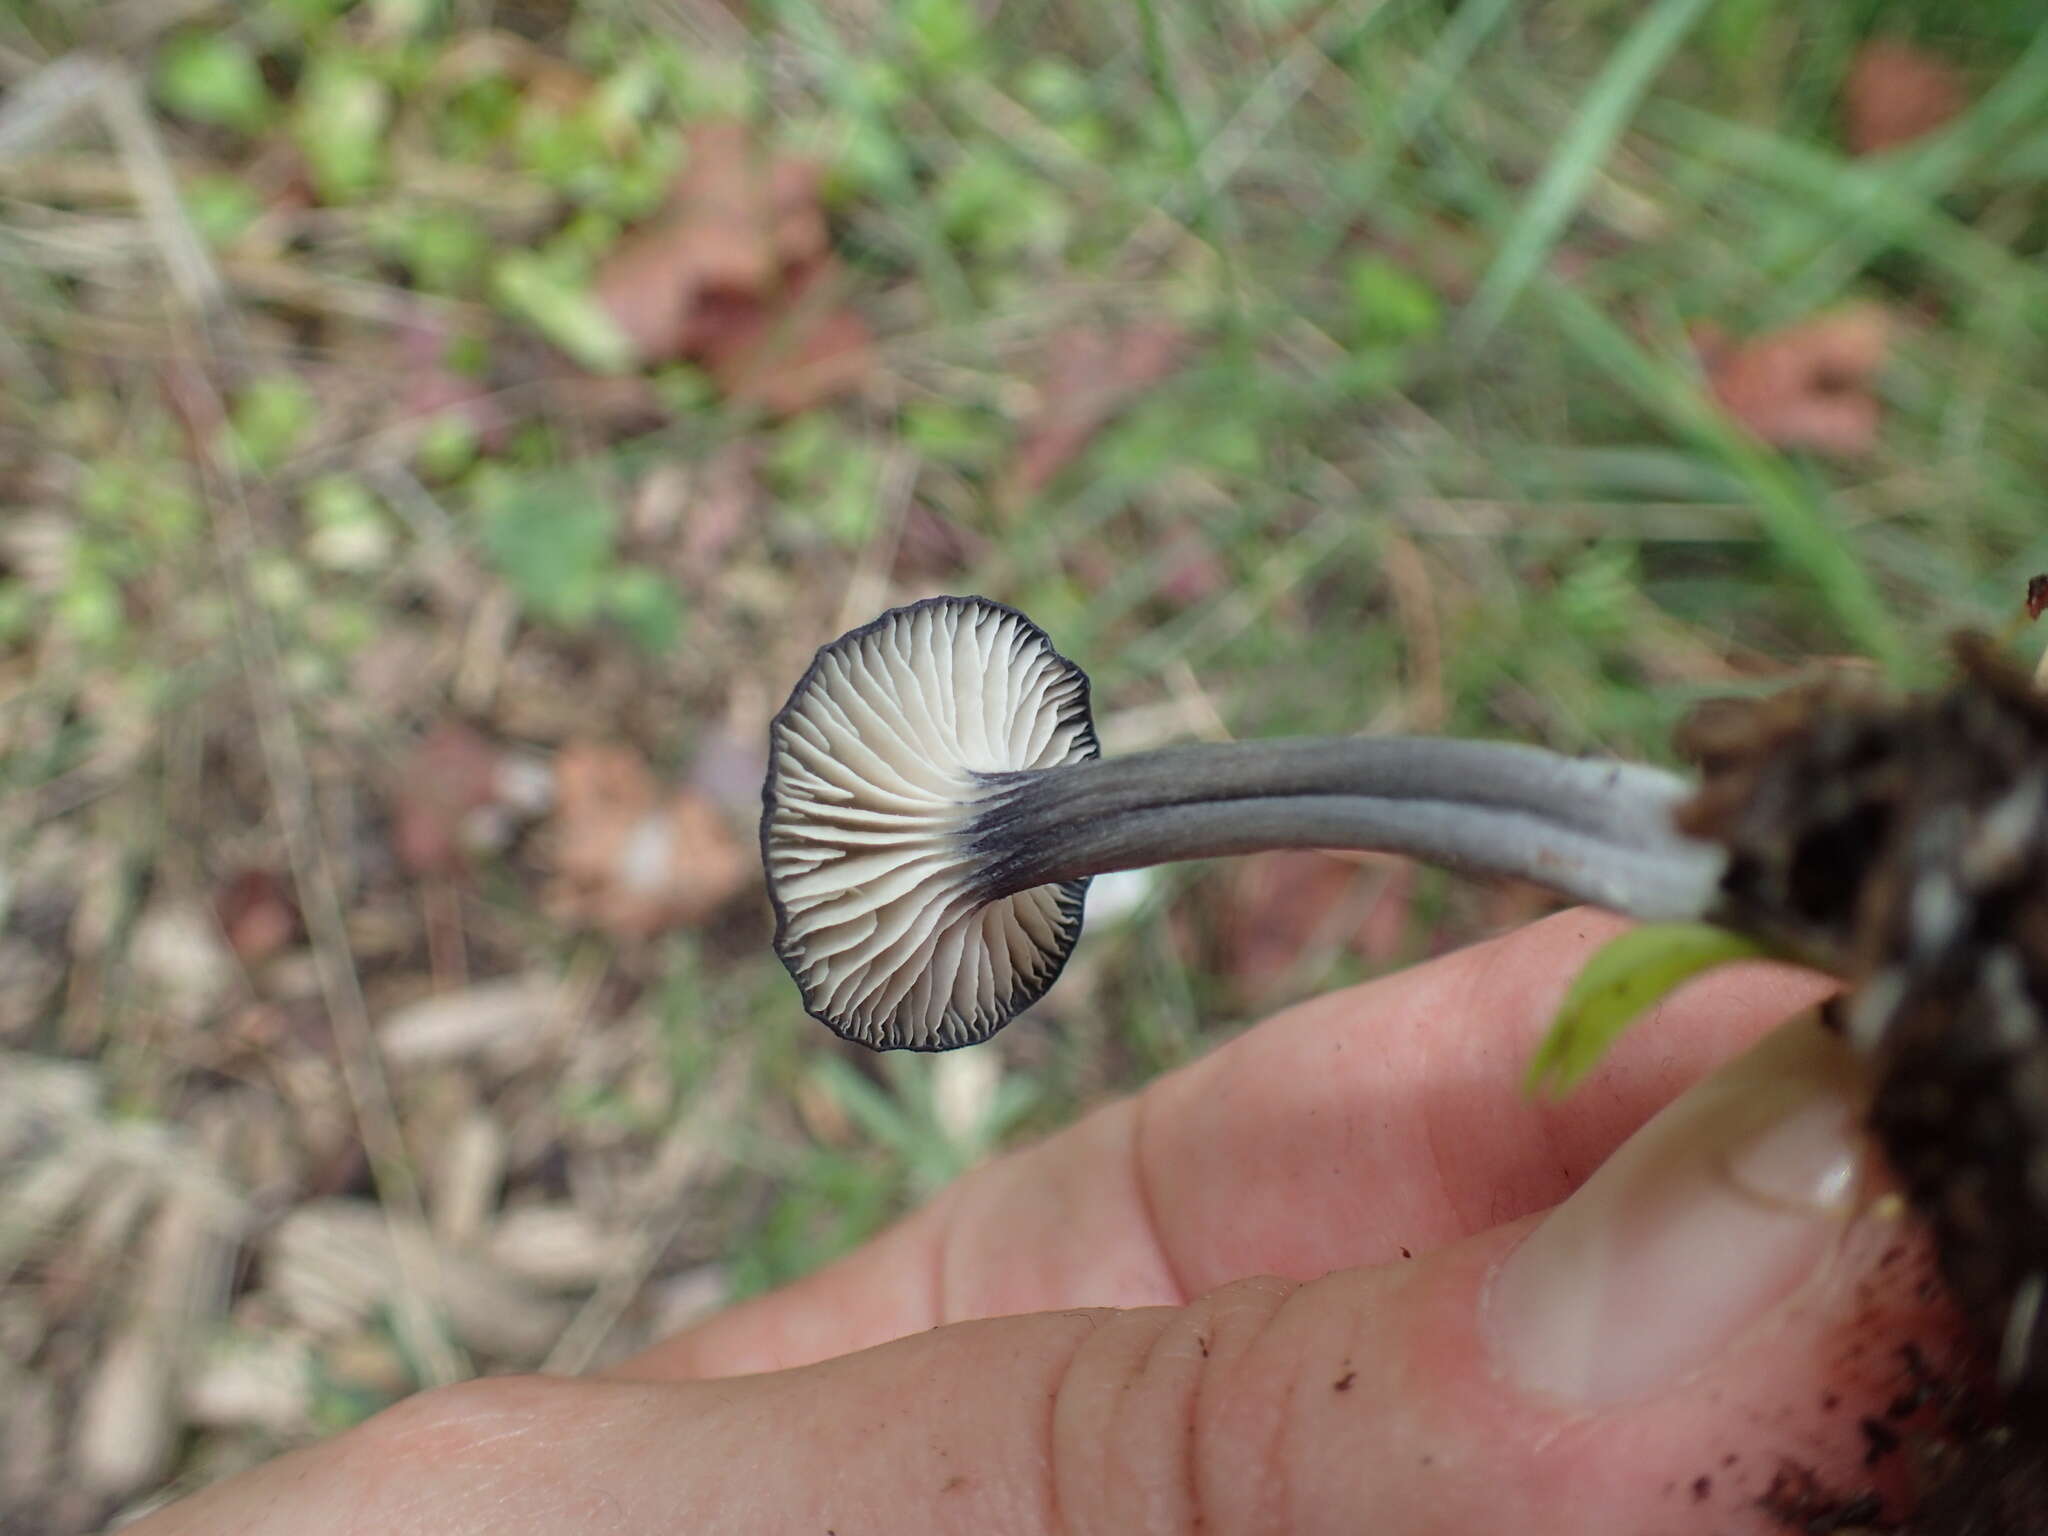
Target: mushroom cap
point(875, 769)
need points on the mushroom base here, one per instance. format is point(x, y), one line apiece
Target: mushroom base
point(1903, 844)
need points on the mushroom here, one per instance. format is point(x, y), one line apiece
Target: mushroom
point(936, 803)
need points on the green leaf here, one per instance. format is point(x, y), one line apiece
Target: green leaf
point(89, 608)
point(212, 77)
point(647, 608)
point(989, 203)
point(221, 207)
point(1628, 975)
point(269, 419)
point(441, 247)
point(447, 446)
point(1054, 89)
point(553, 542)
point(943, 33)
point(563, 311)
point(346, 528)
point(1389, 303)
point(952, 434)
point(341, 114)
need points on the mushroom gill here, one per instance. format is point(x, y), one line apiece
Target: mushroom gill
point(876, 766)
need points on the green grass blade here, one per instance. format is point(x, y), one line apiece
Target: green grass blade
point(1847, 193)
point(1926, 171)
point(1558, 192)
point(1792, 518)
point(1433, 80)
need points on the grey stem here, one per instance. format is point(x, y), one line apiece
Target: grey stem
point(1594, 831)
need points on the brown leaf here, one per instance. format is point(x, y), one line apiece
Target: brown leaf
point(714, 236)
point(451, 775)
point(1090, 375)
point(788, 355)
point(1806, 385)
point(257, 913)
point(649, 286)
point(1895, 93)
point(737, 275)
point(798, 228)
point(631, 857)
point(722, 225)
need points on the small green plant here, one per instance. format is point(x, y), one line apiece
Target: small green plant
point(934, 1143)
point(213, 78)
point(827, 1204)
point(993, 206)
point(554, 538)
point(445, 250)
point(220, 207)
point(268, 420)
point(831, 474)
point(339, 119)
point(555, 299)
point(346, 528)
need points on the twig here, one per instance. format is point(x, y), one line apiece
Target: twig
point(870, 576)
point(197, 404)
point(193, 275)
point(48, 100)
point(283, 282)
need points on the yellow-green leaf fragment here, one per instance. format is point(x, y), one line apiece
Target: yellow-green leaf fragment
point(562, 310)
point(1627, 976)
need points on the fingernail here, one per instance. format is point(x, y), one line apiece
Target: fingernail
point(1695, 1232)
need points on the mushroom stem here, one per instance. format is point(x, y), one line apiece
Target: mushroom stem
point(1593, 831)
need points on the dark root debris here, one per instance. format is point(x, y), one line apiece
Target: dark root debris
point(1902, 843)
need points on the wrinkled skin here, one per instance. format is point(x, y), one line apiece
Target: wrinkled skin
point(1278, 1291)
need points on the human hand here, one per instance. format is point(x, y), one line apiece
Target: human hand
point(1066, 1340)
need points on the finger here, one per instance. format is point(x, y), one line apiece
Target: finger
point(1398, 1114)
point(1364, 1126)
point(1706, 1311)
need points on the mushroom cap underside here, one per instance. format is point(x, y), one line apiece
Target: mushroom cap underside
point(876, 767)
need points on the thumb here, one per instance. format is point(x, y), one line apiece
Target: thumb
point(1711, 1309)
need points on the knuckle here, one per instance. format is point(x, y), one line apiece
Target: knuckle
point(1156, 1425)
point(443, 1418)
point(478, 1425)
